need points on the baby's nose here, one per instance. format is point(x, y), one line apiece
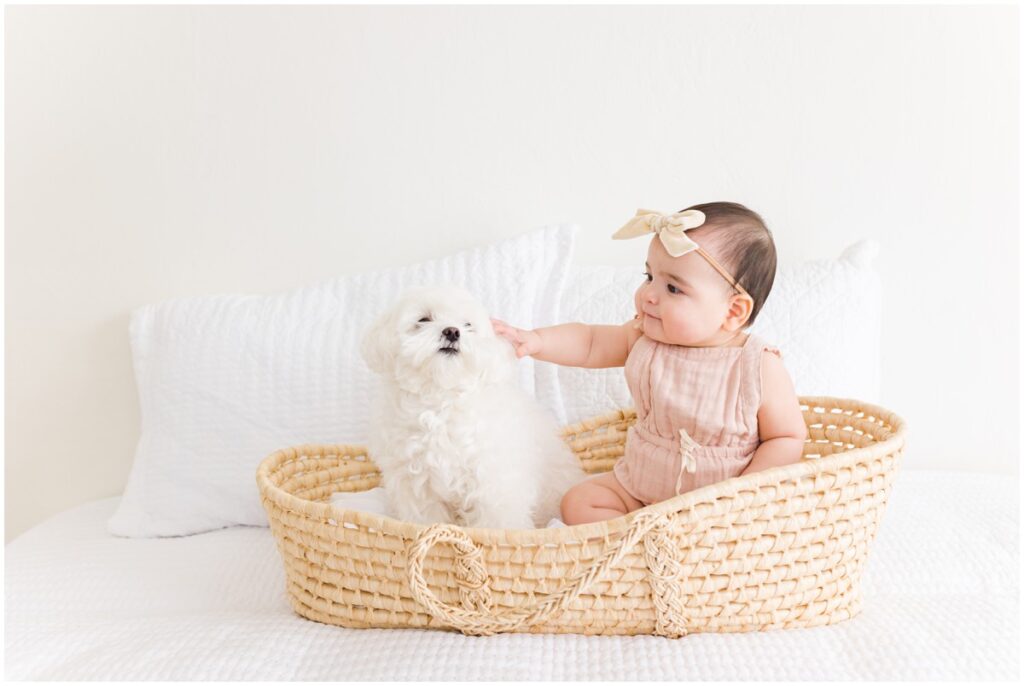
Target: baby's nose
point(451, 333)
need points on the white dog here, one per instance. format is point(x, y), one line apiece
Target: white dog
point(455, 438)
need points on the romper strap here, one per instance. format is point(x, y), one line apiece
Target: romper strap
point(753, 351)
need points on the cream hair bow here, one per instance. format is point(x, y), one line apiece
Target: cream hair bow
point(671, 230)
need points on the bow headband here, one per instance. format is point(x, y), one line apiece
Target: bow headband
point(671, 230)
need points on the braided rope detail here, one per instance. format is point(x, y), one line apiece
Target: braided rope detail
point(661, 555)
point(485, 622)
point(470, 574)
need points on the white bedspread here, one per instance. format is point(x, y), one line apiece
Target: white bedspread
point(941, 602)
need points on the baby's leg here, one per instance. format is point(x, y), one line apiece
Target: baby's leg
point(597, 499)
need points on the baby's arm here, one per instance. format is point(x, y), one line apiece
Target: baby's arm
point(780, 421)
point(573, 345)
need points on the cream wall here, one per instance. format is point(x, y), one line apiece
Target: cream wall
point(155, 152)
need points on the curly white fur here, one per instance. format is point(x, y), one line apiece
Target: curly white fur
point(455, 439)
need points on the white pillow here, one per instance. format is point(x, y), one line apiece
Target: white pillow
point(225, 380)
point(823, 315)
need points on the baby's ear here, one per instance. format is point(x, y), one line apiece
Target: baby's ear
point(378, 343)
point(740, 308)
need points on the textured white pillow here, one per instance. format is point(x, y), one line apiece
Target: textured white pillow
point(823, 315)
point(225, 380)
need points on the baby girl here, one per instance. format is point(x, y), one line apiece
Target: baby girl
point(712, 401)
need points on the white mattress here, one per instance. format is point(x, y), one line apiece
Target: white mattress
point(941, 602)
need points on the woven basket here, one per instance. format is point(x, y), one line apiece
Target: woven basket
point(781, 548)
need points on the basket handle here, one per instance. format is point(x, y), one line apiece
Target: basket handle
point(476, 615)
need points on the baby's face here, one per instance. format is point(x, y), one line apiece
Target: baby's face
point(683, 299)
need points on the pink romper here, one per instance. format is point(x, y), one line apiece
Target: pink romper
point(696, 418)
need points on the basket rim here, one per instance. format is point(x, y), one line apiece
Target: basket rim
point(706, 495)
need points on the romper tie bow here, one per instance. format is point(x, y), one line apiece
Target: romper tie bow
point(687, 460)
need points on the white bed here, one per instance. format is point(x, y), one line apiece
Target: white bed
point(83, 603)
point(941, 602)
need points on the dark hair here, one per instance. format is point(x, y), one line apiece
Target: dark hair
point(738, 238)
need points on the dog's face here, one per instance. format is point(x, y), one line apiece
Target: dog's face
point(437, 337)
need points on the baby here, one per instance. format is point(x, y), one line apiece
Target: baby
point(712, 401)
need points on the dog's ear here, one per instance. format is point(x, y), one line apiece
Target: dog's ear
point(378, 343)
point(499, 359)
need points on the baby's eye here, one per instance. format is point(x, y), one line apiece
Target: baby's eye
point(673, 289)
point(647, 276)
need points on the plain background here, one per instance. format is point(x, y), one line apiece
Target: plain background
point(158, 152)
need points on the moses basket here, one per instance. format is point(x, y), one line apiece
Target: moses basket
point(780, 548)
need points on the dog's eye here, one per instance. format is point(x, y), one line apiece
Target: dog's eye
point(468, 325)
point(425, 319)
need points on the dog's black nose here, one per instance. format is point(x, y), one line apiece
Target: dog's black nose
point(451, 333)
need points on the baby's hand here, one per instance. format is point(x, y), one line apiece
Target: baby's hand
point(525, 342)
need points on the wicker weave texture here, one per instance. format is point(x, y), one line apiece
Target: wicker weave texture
point(781, 548)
